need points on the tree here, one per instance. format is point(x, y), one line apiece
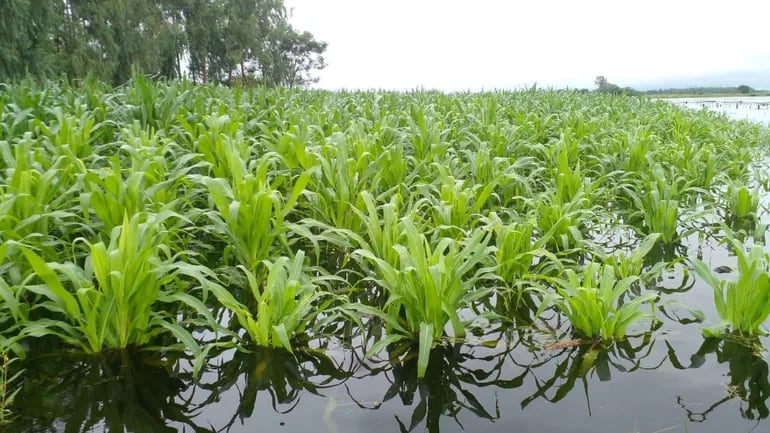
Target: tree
point(601, 82)
point(604, 86)
point(291, 57)
point(30, 31)
point(744, 89)
point(108, 39)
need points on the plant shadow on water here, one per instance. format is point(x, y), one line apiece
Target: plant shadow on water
point(282, 375)
point(114, 391)
point(747, 369)
point(576, 360)
point(449, 385)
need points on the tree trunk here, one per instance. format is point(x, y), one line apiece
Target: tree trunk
point(205, 74)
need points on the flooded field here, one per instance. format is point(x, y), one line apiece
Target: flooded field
point(754, 108)
point(182, 258)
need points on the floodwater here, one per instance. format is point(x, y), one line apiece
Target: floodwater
point(753, 108)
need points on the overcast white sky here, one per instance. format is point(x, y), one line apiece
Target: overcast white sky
point(459, 45)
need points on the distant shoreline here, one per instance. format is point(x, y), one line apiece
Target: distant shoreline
point(708, 95)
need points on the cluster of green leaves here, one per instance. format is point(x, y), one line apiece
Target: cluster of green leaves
point(743, 304)
point(594, 303)
point(742, 202)
point(427, 286)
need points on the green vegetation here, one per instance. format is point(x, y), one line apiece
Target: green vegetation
point(742, 202)
point(8, 390)
point(593, 301)
point(171, 218)
point(221, 41)
point(428, 287)
point(743, 304)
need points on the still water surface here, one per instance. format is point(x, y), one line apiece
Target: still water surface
point(753, 108)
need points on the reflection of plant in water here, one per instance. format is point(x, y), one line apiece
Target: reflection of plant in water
point(748, 373)
point(444, 391)
point(115, 391)
point(579, 361)
point(665, 253)
point(284, 376)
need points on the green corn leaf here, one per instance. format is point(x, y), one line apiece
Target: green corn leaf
point(425, 344)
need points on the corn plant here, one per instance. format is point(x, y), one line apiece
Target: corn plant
point(742, 202)
point(631, 265)
point(111, 197)
point(35, 197)
point(428, 287)
point(594, 303)
point(569, 181)
point(288, 304)
point(563, 223)
point(340, 179)
point(294, 147)
point(427, 136)
point(251, 213)
point(111, 302)
point(220, 143)
point(452, 204)
point(520, 257)
point(743, 304)
point(517, 249)
point(658, 200)
point(381, 233)
point(395, 167)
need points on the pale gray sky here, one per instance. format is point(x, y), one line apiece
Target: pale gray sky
point(459, 45)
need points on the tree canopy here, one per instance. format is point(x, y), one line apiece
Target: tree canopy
point(207, 40)
point(604, 86)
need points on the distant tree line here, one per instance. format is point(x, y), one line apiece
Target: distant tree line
point(604, 86)
point(743, 89)
point(207, 40)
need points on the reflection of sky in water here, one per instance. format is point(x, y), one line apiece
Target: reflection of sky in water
point(756, 108)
